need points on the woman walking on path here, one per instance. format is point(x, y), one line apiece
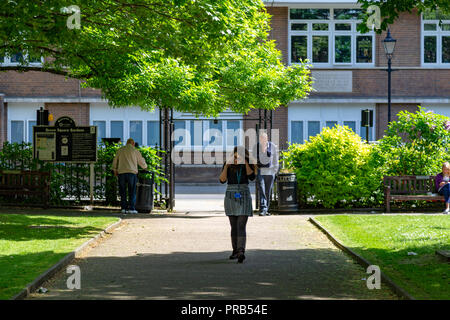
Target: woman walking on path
point(238, 171)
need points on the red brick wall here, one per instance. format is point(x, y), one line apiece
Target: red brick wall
point(3, 121)
point(279, 32)
point(405, 83)
point(407, 31)
point(79, 112)
point(382, 115)
point(33, 84)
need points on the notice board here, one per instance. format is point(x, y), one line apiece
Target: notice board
point(65, 142)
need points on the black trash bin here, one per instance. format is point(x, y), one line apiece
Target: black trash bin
point(144, 193)
point(287, 193)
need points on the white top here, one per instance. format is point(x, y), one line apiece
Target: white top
point(127, 160)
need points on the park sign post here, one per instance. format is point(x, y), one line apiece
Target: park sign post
point(65, 142)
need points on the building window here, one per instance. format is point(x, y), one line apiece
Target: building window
point(363, 133)
point(136, 131)
point(351, 125)
point(342, 49)
point(313, 128)
point(179, 134)
point(364, 52)
point(331, 124)
point(233, 133)
point(17, 132)
point(215, 135)
point(196, 132)
point(320, 49)
point(31, 123)
point(153, 133)
point(309, 14)
point(329, 37)
point(21, 58)
point(297, 132)
point(101, 130)
point(436, 38)
point(117, 130)
point(299, 50)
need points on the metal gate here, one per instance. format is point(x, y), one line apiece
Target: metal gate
point(166, 190)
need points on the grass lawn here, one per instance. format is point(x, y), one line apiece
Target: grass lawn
point(30, 244)
point(386, 240)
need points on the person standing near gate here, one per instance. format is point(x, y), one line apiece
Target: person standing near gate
point(237, 172)
point(125, 166)
point(267, 160)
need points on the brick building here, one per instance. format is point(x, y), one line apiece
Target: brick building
point(348, 67)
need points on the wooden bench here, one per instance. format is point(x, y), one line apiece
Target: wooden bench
point(407, 188)
point(26, 183)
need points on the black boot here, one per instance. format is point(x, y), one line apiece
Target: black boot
point(241, 241)
point(234, 254)
point(240, 255)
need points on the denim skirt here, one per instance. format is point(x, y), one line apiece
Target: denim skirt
point(238, 206)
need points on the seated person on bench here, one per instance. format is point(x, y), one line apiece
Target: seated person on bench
point(443, 186)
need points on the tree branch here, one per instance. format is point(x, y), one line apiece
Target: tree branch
point(21, 68)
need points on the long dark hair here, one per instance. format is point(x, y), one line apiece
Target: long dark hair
point(238, 150)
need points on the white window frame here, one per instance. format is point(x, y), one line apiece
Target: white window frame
point(225, 135)
point(331, 38)
point(206, 136)
point(290, 129)
point(340, 122)
point(187, 138)
point(106, 126)
point(144, 131)
point(109, 128)
point(439, 33)
point(27, 130)
point(10, 129)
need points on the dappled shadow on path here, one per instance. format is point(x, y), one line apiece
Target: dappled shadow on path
point(265, 274)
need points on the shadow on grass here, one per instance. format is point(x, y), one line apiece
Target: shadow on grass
point(25, 227)
point(17, 270)
point(265, 274)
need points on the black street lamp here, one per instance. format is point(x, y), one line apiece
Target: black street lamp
point(389, 47)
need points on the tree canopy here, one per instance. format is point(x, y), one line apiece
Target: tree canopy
point(391, 9)
point(200, 56)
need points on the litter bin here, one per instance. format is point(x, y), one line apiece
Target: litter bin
point(144, 193)
point(287, 192)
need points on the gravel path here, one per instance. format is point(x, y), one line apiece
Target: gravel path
point(185, 256)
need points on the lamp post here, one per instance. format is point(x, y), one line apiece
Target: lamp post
point(389, 47)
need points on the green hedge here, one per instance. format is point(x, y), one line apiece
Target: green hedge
point(337, 169)
point(333, 169)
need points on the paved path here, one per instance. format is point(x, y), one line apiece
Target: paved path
point(185, 256)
